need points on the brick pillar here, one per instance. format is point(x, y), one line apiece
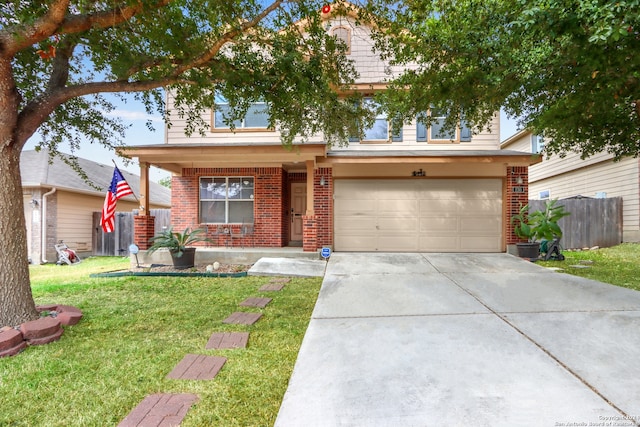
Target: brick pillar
point(515, 200)
point(143, 230)
point(309, 233)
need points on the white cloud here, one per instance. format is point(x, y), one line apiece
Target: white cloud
point(129, 115)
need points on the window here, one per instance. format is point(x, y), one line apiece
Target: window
point(544, 194)
point(226, 200)
point(537, 143)
point(436, 132)
point(256, 117)
point(344, 35)
point(379, 131)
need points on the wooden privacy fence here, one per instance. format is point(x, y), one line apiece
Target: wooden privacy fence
point(593, 222)
point(117, 243)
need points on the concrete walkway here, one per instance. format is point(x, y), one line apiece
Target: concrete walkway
point(464, 340)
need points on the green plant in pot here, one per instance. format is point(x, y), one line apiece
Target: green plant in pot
point(537, 225)
point(177, 243)
point(524, 229)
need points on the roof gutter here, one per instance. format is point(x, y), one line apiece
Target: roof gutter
point(43, 239)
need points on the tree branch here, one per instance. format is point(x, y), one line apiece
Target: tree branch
point(15, 39)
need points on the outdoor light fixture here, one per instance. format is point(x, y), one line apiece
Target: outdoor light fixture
point(519, 180)
point(322, 182)
point(33, 203)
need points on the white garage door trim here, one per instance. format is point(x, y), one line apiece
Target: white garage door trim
point(418, 215)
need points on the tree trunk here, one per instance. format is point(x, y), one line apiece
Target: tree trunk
point(16, 301)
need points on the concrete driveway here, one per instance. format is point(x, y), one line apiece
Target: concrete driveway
point(464, 340)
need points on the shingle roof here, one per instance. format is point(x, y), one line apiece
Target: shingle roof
point(36, 171)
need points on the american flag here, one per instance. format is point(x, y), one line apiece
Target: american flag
point(118, 189)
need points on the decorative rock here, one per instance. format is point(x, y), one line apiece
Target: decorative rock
point(210, 268)
point(11, 342)
point(41, 331)
point(67, 309)
point(594, 248)
point(48, 307)
point(68, 319)
point(216, 265)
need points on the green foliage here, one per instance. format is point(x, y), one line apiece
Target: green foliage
point(617, 265)
point(64, 55)
point(175, 241)
point(568, 70)
point(165, 182)
point(539, 225)
point(135, 331)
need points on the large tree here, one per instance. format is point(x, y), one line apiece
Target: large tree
point(58, 56)
point(567, 69)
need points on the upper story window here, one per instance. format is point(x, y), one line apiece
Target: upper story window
point(344, 35)
point(436, 132)
point(225, 200)
point(380, 131)
point(256, 117)
point(537, 143)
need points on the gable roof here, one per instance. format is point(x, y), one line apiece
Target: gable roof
point(36, 171)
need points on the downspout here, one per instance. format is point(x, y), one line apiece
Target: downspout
point(43, 238)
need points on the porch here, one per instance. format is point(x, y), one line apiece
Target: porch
point(209, 255)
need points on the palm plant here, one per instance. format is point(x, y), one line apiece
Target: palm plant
point(175, 241)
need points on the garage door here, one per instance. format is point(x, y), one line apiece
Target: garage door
point(430, 215)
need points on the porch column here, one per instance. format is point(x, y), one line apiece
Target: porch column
point(517, 195)
point(144, 189)
point(309, 225)
point(310, 181)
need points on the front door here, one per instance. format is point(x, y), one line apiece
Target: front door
point(298, 209)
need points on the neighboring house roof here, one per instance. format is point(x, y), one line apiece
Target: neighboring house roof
point(513, 138)
point(37, 171)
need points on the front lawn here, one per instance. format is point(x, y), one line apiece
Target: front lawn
point(618, 265)
point(135, 330)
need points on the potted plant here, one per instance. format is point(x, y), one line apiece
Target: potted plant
point(537, 225)
point(177, 244)
point(524, 230)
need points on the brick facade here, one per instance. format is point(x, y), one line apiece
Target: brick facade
point(514, 201)
point(143, 230)
point(272, 206)
point(268, 204)
point(310, 232)
point(323, 207)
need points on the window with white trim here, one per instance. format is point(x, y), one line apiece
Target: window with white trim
point(226, 200)
point(344, 35)
point(256, 117)
point(379, 131)
point(436, 132)
point(544, 194)
point(537, 143)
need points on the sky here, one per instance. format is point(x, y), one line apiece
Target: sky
point(132, 113)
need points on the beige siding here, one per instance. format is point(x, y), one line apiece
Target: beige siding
point(556, 165)
point(371, 70)
point(28, 218)
point(619, 179)
point(571, 176)
point(75, 217)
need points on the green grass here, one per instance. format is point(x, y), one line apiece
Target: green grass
point(133, 333)
point(618, 265)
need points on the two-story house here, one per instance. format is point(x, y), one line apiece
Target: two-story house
point(418, 190)
point(570, 176)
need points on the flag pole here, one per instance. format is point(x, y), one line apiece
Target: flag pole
point(132, 193)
